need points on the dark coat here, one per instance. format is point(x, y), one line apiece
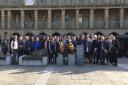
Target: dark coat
point(87, 46)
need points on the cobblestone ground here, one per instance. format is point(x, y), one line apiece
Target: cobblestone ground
point(63, 75)
point(20, 75)
point(88, 75)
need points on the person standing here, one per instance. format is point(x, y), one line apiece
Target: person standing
point(103, 50)
point(94, 48)
point(14, 48)
point(114, 51)
point(56, 48)
point(108, 45)
point(20, 46)
point(80, 50)
point(27, 46)
point(4, 47)
point(37, 44)
point(65, 51)
point(87, 50)
point(11, 39)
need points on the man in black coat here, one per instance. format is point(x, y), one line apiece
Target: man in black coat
point(20, 46)
point(56, 49)
point(87, 50)
point(103, 50)
point(114, 51)
point(94, 48)
point(28, 46)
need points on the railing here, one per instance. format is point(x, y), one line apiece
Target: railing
point(42, 25)
point(42, 3)
point(68, 25)
point(126, 24)
point(57, 3)
point(84, 25)
point(29, 25)
point(56, 25)
point(15, 25)
point(114, 24)
point(99, 24)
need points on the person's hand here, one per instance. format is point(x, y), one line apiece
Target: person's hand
point(12, 50)
point(106, 51)
point(95, 49)
point(117, 51)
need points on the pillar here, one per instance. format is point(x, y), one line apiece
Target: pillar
point(22, 19)
point(9, 19)
point(91, 18)
point(49, 18)
point(36, 18)
point(77, 18)
point(63, 18)
point(121, 18)
point(106, 18)
point(3, 19)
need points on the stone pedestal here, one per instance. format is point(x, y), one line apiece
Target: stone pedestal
point(45, 61)
point(71, 59)
point(25, 60)
point(60, 59)
point(5, 60)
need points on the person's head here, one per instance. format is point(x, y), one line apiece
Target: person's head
point(15, 37)
point(74, 38)
point(114, 38)
point(95, 37)
point(48, 37)
point(78, 37)
point(37, 39)
point(82, 37)
point(27, 37)
point(20, 38)
point(102, 38)
point(88, 38)
point(109, 38)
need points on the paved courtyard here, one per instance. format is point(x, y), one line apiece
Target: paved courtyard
point(64, 75)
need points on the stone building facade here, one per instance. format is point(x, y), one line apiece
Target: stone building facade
point(64, 16)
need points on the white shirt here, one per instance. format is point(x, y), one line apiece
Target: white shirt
point(14, 44)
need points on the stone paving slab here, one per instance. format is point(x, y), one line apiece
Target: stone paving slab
point(19, 75)
point(88, 75)
point(63, 75)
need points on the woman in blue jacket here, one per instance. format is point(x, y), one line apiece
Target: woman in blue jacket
point(37, 44)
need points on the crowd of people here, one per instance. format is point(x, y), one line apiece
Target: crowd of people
point(97, 49)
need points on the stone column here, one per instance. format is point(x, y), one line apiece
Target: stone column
point(22, 19)
point(91, 18)
point(49, 18)
point(63, 18)
point(77, 18)
point(36, 18)
point(9, 19)
point(106, 18)
point(121, 18)
point(3, 19)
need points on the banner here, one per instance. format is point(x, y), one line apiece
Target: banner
point(29, 2)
